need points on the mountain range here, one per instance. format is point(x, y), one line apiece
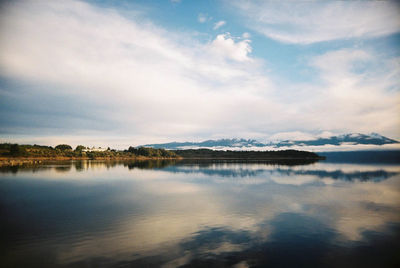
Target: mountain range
point(234, 144)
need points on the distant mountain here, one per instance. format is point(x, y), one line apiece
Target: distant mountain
point(234, 144)
point(353, 139)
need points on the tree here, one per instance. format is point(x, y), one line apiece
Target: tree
point(132, 150)
point(15, 150)
point(79, 148)
point(63, 147)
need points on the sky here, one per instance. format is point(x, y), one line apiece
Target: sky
point(121, 73)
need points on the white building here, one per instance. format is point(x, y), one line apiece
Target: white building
point(93, 149)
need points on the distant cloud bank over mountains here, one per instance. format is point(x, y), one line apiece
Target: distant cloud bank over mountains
point(353, 141)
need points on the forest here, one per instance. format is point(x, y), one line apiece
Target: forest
point(9, 150)
point(80, 151)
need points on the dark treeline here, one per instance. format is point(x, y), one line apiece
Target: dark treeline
point(151, 152)
point(65, 150)
point(211, 154)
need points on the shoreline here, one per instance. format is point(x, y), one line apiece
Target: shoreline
point(16, 161)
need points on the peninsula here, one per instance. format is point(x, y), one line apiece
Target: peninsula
point(15, 154)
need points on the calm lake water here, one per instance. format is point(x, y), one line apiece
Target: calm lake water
point(166, 214)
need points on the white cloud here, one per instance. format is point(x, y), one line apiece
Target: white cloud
point(141, 81)
point(225, 45)
point(325, 134)
point(355, 92)
point(85, 72)
point(298, 135)
point(316, 21)
point(246, 35)
point(340, 62)
point(294, 135)
point(202, 18)
point(219, 24)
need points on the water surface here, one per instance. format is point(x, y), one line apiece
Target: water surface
point(212, 214)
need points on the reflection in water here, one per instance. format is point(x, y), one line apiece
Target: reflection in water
point(152, 164)
point(168, 213)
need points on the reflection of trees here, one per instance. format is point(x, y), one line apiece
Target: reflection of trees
point(87, 164)
point(229, 168)
point(224, 168)
point(150, 164)
point(10, 169)
point(376, 175)
point(79, 165)
point(222, 172)
point(279, 162)
point(62, 169)
point(59, 166)
point(23, 168)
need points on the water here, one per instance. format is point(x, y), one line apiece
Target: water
point(166, 214)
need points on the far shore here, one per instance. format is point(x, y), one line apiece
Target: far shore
point(15, 154)
point(15, 161)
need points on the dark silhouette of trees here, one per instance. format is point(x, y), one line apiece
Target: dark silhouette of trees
point(16, 150)
point(65, 150)
point(79, 148)
point(63, 147)
point(151, 152)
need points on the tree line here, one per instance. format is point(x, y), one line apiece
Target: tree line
point(65, 150)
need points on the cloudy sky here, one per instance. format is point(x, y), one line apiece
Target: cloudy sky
point(135, 72)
